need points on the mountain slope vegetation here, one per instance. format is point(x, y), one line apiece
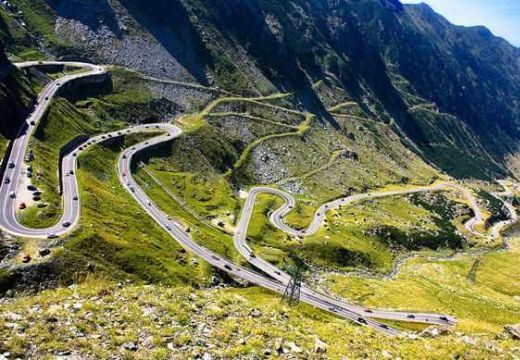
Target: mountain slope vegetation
point(319, 98)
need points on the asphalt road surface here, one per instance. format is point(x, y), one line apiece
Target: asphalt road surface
point(11, 180)
point(271, 277)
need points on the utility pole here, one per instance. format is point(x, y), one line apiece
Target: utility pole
point(292, 291)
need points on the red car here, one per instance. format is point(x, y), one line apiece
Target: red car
point(22, 206)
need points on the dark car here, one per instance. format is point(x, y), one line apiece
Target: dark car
point(44, 252)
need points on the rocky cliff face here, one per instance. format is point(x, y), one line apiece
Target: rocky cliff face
point(452, 90)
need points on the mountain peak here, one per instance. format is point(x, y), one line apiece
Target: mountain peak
point(395, 5)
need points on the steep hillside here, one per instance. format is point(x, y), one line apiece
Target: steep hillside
point(322, 99)
point(17, 94)
point(450, 89)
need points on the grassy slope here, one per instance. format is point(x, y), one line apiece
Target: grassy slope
point(230, 331)
point(368, 235)
point(483, 304)
point(16, 95)
point(69, 118)
point(117, 246)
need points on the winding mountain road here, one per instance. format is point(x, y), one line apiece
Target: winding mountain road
point(11, 181)
point(276, 280)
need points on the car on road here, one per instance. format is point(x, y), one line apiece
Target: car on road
point(362, 321)
point(12, 165)
point(368, 311)
point(228, 267)
point(52, 236)
point(32, 123)
point(44, 252)
point(384, 326)
point(66, 224)
point(12, 194)
point(444, 318)
point(75, 197)
point(7, 180)
point(411, 316)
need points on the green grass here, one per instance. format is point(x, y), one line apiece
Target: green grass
point(369, 234)
point(38, 18)
point(79, 114)
point(202, 233)
point(60, 125)
point(208, 197)
point(109, 315)
point(482, 306)
point(16, 95)
point(130, 243)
